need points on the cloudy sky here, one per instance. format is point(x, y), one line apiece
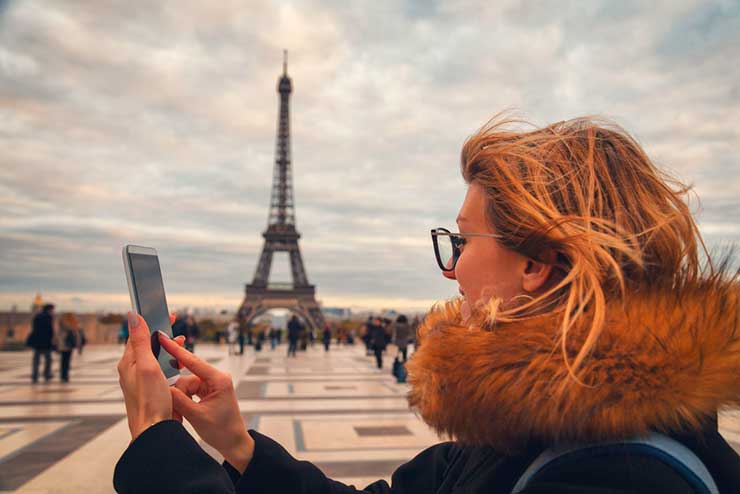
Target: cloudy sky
point(154, 123)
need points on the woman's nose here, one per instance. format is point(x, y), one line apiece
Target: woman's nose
point(449, 274)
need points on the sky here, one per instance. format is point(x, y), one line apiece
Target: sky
point(153, 123)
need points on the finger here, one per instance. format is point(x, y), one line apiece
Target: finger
point(180, 340)
point(173, 318)
point(189, 385)
point(185, 406)
point(139, 337)
point(187, 359)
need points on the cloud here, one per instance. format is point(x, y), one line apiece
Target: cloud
point(123, 123)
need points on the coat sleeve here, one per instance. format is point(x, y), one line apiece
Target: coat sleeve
point(273, 469)
point(166, 459)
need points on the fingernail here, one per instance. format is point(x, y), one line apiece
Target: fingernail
point(164, 334)
point(133, 320)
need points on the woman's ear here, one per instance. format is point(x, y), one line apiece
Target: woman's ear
point(537, 273)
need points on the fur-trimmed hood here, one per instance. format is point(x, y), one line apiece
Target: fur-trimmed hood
point(666, 361)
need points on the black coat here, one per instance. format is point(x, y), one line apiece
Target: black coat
point(294, 330)
point(377, 336)
point(42, 332)
point(165, 458)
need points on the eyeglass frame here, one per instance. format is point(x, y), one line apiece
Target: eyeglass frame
point(455, 247)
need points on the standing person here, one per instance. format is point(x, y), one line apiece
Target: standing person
point(231, 335)
point(192, 333)
point(414, 327)
point(242, 330)
point(179, 327)
point(40, 339)
point(586, 324)
point(401, 334)
point(273, 338)
point(367, 336)
point(81, 340)
point(377, 340)
point(260, 337)
point(69, 336)
point(295, 329)
point(123, 332)
point(327, 337)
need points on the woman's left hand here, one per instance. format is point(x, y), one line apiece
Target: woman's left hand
point(145, 389)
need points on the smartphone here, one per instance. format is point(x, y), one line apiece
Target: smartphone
point(146, 289)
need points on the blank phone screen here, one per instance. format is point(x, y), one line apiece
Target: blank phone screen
point(149, 292)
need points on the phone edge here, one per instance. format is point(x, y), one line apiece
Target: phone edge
point(129, 280)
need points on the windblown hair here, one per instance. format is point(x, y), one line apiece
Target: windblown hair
point(585, 190)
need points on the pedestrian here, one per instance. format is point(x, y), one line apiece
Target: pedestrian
point(232, 331)
point(377, 340)
point(192, 333)
point(40, 339)
point(327, 337)
point(81, 340)
point(414, 327)
point(295, 328)
point(68, 339)
point(401, 334)
point(589, 351)
point(242, 329)
point(366, 335)
point(260, 340)
point(273, 338)
point(123, 332)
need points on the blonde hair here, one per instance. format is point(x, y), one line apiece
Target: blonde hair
point(585, 189)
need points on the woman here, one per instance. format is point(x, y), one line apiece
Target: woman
point(377, 340)
point(584, 317)
point(68, 340)
point(401, 335)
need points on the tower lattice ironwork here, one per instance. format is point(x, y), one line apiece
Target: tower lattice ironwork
point(281, 235)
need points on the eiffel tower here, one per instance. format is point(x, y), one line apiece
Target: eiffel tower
point(282, 236)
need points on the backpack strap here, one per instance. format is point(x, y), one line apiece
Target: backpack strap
point(656, 445)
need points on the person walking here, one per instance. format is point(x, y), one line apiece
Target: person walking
point(589, 351)
point(40, 339)
point(326, 336)
point(232, 331)
point(192, 333)
point(401, 335)
point(123, 332)
point(69, 339)
point(377, 340)
point(295, 328)
point(81, 340)
point(242, 330)
point(273, 337)
point(367, 335)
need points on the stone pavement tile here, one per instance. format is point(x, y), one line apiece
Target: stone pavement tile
point(29, 461)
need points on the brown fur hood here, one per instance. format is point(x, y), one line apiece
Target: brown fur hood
point(666, 360)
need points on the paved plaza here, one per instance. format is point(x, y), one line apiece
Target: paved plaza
point(335, 410)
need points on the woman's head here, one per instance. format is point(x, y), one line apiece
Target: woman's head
point(69, 320)
point(581, 214)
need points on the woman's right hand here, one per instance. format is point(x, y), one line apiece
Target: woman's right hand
point(216, 416)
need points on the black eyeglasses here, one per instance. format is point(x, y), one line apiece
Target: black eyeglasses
point(447, 248)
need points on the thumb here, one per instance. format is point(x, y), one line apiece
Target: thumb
point(182, 404)
point(139, 335)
